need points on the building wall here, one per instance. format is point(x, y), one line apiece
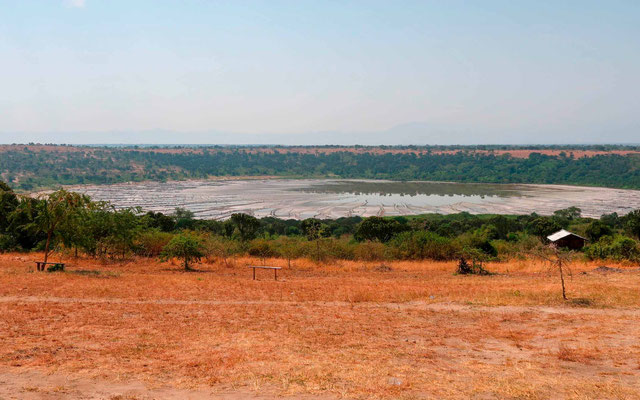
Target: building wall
point(572, 242)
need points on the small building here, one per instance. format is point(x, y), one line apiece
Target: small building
point(567, 239)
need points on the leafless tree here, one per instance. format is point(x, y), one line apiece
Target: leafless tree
point(558, 260)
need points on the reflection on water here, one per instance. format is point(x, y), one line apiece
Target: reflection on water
point(390, 199)
point(415, 193)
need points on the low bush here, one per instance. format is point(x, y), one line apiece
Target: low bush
point(219, 248)
point(515, 247)
point(7, 243)
point(262, 248)
point(419, 245)
point(370, 251)
point(56, 268)
point(478, 240)
point(288, 248)
point(477, 257)
point(151, 243)
point(324, 249)
point(616, 248)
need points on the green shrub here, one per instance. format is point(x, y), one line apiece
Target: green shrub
point(222, 248)
point(7, 243)
point(370, 251)
point(151, 242)
point(185, 246)
point(289, 248)
point(597, 229)
point(619, 248)
point(419, 245)
point(543, 227)
point(464, 268)
point(477, 240)
point(56, 268)
point(517, 246)
point(324, 249)
point(505, 249)
point(377, 229)
point(477, 257)
point(262, 248)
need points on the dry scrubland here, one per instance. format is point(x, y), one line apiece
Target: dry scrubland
point(517, 152)
point(403, 330)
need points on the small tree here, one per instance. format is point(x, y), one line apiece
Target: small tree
point(54, 214)
point(543, 227)
point(125, 229)
point(261, 248)
point(8, 203)
point(185, 246)
point(597, 229)
point(377, 228)
point(288, 248)
point(314, 230)
point(247, 226)
point(222, 248)
point(633, 223)
point(568, 214)
point(184, 219)
point(558, 261)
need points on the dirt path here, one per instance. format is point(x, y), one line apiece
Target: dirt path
point(417, 305)
point(34, 385)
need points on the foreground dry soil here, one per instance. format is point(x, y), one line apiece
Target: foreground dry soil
point(406, 330)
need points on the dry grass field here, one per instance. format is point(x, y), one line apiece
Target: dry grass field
point(401, 330)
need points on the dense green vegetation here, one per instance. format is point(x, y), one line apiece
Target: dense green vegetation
point(72, 223)
point(25, 169)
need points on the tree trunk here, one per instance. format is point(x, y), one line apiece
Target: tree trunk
point(564, 293)
point(46, 247)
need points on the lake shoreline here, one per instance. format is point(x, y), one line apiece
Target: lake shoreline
point(335, 198)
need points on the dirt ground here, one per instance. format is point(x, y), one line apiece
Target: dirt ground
point(398, 330)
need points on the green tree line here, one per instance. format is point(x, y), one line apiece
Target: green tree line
point(71, 223)
point(27, 170)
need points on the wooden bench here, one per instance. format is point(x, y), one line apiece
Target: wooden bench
point(275, 270)
point(40, 266)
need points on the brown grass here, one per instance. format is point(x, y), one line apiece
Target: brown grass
point(344, 329)
point(577, 354)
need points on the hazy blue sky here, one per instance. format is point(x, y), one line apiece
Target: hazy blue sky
point(104, 71)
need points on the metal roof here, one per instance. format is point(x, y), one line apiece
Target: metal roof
point(562, 234)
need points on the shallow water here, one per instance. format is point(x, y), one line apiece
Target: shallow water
point(327, 198)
